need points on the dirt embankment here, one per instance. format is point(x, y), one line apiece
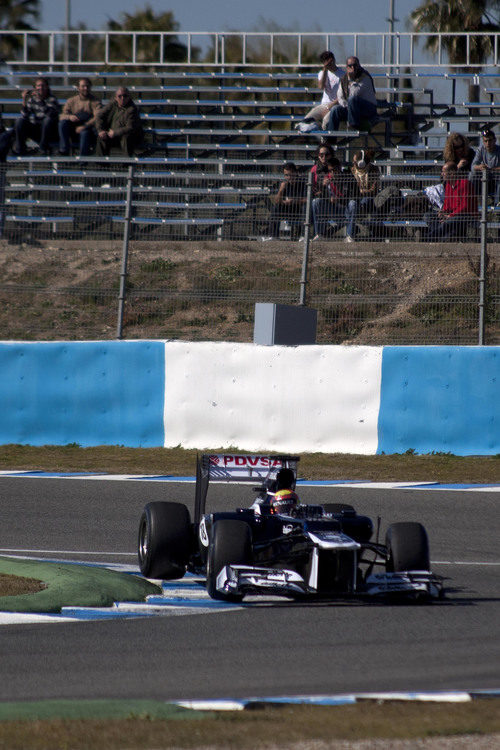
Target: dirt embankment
point(369, 293)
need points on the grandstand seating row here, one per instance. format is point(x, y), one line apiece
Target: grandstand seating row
point(62, 200)
point(181, 107)
point(233, 128)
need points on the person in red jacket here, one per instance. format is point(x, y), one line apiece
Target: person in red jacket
point(459, 207)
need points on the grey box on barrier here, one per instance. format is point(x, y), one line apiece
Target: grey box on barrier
point(288, 325)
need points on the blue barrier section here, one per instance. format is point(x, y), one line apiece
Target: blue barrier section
point(440, 399)
point(91, 393)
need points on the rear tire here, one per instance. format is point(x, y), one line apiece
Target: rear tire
point(231, 545)
point(164, 541)
point(407, 546)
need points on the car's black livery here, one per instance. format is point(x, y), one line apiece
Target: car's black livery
point(311, 550)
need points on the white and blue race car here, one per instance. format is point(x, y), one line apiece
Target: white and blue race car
point(278, 545)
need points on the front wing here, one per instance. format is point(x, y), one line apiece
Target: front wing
point(245, 579)
point(411, 582)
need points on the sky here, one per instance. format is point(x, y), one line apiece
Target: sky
point(239, 15)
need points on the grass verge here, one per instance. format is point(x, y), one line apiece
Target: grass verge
point(70, 585)
point(289, 726)
point(179, 462)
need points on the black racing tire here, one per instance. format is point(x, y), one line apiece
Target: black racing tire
point(407, 547)
point(338, 508)
point(231, 544)
point(164, 540)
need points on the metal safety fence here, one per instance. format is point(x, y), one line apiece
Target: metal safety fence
point(153, 251)
point(85, 48)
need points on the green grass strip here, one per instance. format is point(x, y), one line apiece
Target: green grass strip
point(96, 709)
point(72, 585)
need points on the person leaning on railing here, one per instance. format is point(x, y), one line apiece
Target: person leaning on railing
point(119, 124)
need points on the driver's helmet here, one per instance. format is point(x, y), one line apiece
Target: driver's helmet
point(284, 502)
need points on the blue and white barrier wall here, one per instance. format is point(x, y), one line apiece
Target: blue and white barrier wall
point(327, 399)
point(91, 393)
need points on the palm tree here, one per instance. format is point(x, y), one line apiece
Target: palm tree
point(452, 16)
point(18, 15)
point(147, 50)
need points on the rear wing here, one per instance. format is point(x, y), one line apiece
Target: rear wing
point(236, 468)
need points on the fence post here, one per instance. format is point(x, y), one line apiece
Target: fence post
point(126, 239)
point(483, 255)
point(307, 228)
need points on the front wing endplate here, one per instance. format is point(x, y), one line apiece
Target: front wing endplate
point(418, 582)
point(245, 579)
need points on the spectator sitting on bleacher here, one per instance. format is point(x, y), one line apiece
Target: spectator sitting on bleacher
point(459, 208)
point(367, 176)
point(6, 138)
point(39, 116)
point(289, 204)
point(329, 208)
point(78, 117)
point(458, 149)
point(416, 205)
point(357, 100)
point(118, 124)
point(320, 168)
point(487, 157)
point(329, 82)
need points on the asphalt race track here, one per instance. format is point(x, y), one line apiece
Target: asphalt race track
point(281, 649)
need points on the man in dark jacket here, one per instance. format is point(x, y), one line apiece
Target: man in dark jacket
point(289, 204)
point(39, 118)
point(118, 124)
point(357, 102)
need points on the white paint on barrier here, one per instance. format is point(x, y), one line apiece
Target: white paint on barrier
point(219, 704)
point(261, 398)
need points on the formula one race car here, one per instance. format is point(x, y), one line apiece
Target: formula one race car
point(278, 545)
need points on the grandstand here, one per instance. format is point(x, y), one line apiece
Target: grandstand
point(232, 118)
point(219, 127)
point(236, 111)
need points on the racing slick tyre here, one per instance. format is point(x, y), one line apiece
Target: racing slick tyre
point(338, 508)
point(407, 547)
point(164, 540)
point(231, 545)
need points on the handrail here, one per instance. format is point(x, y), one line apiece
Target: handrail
point(246, 49)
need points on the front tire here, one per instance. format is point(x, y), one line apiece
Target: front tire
point(231, 545)
point(407, 547)
point(164, 540)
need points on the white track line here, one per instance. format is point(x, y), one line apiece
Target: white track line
point(9, 551)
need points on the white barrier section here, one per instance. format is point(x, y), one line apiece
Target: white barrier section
point(262, 398)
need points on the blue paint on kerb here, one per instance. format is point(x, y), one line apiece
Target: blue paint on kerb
point(90, 393)
point(438, 398)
